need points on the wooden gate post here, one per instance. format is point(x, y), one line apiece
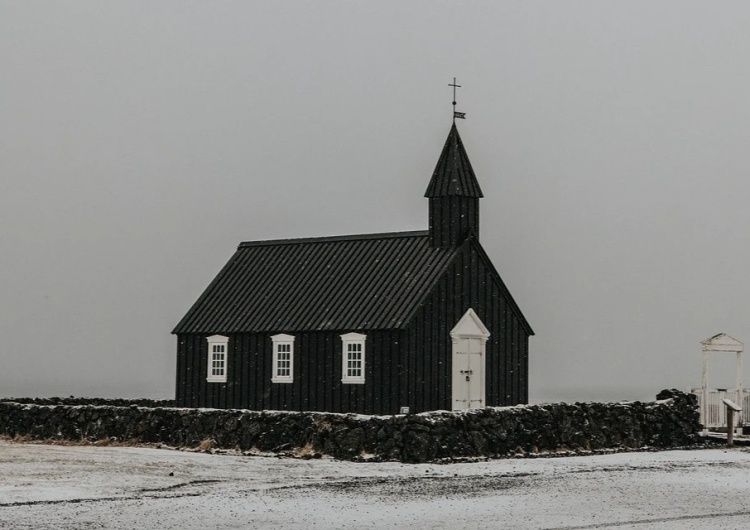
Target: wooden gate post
point(730, 426)
point(731, 409)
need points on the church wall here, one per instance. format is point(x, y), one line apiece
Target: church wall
point(467, 283)
point(317, 377)
point(411, 367)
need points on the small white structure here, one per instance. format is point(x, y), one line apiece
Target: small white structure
point(713, 413)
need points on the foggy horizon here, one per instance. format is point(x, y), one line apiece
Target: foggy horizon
point(140, 143)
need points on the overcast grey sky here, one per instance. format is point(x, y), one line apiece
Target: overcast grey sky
point(141, 141)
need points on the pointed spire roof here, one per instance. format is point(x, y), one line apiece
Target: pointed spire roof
point(453, 174)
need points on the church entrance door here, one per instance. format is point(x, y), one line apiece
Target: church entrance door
point(468, 362)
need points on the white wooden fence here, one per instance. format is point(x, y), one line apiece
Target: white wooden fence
point(715, 415)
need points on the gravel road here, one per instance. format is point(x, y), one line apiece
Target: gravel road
point(81, 487)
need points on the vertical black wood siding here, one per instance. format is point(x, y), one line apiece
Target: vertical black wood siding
point(452, 218)
point(317, 374)
point(468, 283)
point(409, 367)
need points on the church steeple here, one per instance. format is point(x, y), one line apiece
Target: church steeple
point(454, 195)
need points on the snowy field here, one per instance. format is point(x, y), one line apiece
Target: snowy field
point(45, 486)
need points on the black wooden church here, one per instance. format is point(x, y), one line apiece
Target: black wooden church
point(362, 323)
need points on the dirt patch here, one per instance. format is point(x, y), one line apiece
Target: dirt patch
point(416, 487)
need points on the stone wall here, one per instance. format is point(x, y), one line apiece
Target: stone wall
point(671, 421)
point(115, 402)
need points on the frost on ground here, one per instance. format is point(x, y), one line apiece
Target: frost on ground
point(48, 486)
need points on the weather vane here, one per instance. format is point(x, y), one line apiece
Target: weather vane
point(461, 115)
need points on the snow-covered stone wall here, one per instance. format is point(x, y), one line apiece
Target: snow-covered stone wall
point(671, 421)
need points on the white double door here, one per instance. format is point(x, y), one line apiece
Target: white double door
point(468, 373)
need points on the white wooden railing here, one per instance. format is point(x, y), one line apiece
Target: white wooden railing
point(715, 413)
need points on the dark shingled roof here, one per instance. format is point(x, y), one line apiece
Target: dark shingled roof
point(359, 282)
point(453, 174)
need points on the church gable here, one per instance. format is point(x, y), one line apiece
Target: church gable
point(476, 250)
point(470, 280)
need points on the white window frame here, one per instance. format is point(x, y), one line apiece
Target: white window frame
point(221, 342)
point(279, 341)
point(346, 341)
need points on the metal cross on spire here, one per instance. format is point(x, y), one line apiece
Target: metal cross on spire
point(461, 115)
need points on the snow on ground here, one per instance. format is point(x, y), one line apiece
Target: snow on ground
point(81, 487)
